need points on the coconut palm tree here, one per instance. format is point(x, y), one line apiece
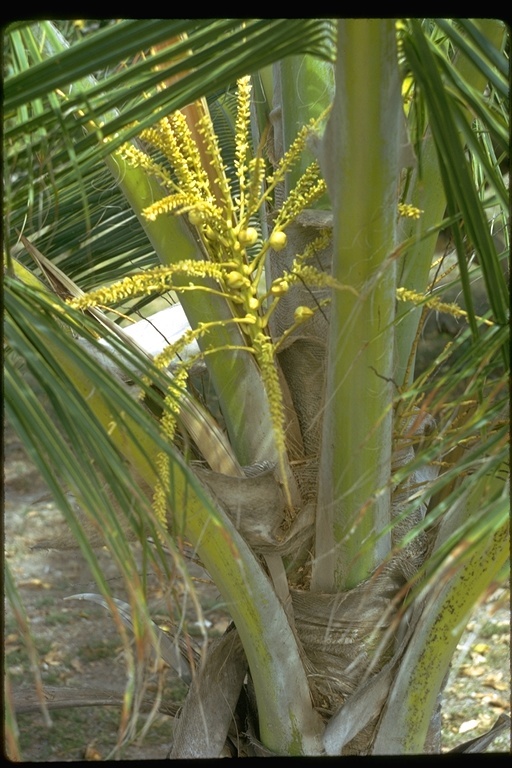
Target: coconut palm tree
point(285, 181)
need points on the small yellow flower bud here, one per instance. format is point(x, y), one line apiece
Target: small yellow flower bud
point(279, 287)
point(253, 303)
point(210, 233)
point(277, 240)
point(302, 313)
point(236, 280)
point(195, 218)
point(247, 236)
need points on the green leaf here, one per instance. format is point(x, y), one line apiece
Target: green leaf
point(458, 182)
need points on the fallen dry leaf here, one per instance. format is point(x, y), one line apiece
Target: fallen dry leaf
point(91, 753)
point(468, 726)
point(13, 649)
point(495, 681)
point(500, 704)
point(34, 584)
point(54, 657)
point(473, 671)
point(492, 699)
point(76, 665)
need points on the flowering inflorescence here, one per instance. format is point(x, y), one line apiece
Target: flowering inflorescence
point(153, 281)
point(309, 188)
point(225, 221)
point(191, 172)
point(434, 302)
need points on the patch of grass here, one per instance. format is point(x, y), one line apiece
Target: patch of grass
point(496, 657)
point(10, 623)
point(106, 649)
point(58, 618)
point(19, 656)
point(16, 657)
point(50, 677)
point(43, 645)
point(491, 628)
point(44, 602)
point(74, 730)
point(175, 691)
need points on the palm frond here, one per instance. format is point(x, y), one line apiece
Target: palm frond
point(221, 51)
point(462, 196)
point(485, 57)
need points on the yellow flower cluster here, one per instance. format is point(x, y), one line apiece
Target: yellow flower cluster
point(242, 139)
point(315, 246)
point(128, 287)
point(173, 138)
point(309, 188)
point(156, 280)
point(409, 211)
point(264, 352)
point(182, 202)
point(167, 428)
point(224, 221)
point(304, 273)
point(434, 302)
point(222, 189)
point(139, 159)
point(294, 152)
point(255, 186)
point(161, 487)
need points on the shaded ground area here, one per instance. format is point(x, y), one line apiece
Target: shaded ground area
point(79, 645)
point(77, 641)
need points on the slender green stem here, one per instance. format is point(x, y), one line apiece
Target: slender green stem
point(361, 165)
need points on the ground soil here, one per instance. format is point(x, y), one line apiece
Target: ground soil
point(79, 646)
